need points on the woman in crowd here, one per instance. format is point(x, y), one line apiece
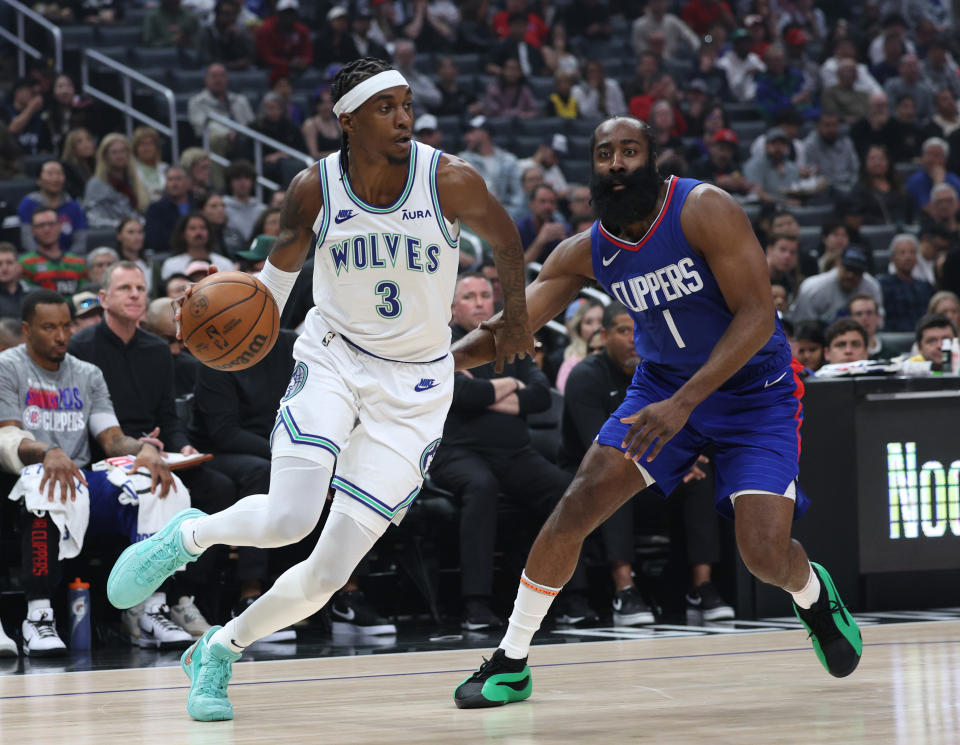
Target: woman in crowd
point(586, 318)
point(321, 132)
point(146, 156)
point(66, 110)
point(948, 304)
point(879, 193)
point(834, 237)
point(598, 96)
point(130, 244)
point(223, 237)
point(191, 242)
point(115, 190)
point(509, 94)
point(267, 224)
point(196, 162)
point(79, 159)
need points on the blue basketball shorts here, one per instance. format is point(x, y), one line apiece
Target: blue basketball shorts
point(755, 430)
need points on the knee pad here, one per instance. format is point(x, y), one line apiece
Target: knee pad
point(298, 491)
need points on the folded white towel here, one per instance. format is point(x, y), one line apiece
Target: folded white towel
point(70, 517)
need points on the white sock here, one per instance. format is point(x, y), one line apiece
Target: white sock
point(810, 592)
point(188, 532)
point(41, 604)
point(225, 637)
point(532, 603)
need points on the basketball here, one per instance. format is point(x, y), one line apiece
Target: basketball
point(230, 321)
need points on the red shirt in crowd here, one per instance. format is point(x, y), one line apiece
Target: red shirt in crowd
point(275, 49)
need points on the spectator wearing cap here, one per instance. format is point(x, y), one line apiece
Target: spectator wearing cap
point(678, 37)
point(781, 87)
point(498, 167)
point(933, 172)
point(456, 99)
point(598, 96)
point(216, 98)
point(910, 82)
point(73, 221)
point(424, 90)
point(772, 174)
point(85, 310)
point(540, 231)
point(509, 94)
point(939, 68)
point(197, 270)
point(517, 46)
point(893, 25)
point(832, 155)
point(791, 122)
point(843, 99)
point(12, 288)
point(162, 215)
point(427, 130)
point(741, 66)
point(225, 40)
point(759, 34)
point(720, 165)
point(190, 242)
point(98, 261)
point(803, 16)
point(695, 106)
point(547, 156)
point(243, 207)
point(336, 44)
point(823, 297)
point(170, 25)
point(283, 42)
point(795, 44)
point(701, 15)
point(904, 297)
point(253, 258)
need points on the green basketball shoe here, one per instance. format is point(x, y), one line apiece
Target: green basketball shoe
point(209, 667)
point(499, 681)
point(143, 566)
point(835, 635)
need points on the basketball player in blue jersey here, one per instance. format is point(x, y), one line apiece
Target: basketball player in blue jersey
point(682, 256)
point(366, 405)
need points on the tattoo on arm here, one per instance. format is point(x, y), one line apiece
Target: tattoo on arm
point(510, 267)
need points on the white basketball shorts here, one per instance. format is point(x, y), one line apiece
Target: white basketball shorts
point(375, 423)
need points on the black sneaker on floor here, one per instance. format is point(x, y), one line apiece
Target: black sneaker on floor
point(499, 681)
point(573, 610)
point(833, 631)
point(286, 634)
point(630, 609)
point(478, 616)
point(352, 613)
point(706, 599)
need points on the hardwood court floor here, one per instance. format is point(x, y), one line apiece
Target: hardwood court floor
point(748, 689)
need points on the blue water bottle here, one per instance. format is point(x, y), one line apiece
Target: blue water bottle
point(79, 598)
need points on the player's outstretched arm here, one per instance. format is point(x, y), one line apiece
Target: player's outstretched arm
point(464, 196)
point(564, 273)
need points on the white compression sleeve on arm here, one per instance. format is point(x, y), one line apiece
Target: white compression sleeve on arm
point(279, 282)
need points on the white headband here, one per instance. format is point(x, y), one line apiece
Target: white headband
point(358, 95)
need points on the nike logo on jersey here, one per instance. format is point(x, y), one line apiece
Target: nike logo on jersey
point(343, 216)
point(348, 616)
point(659, 286)
point(518, 685)
point(608, 260)
point(774, 382)
point(425, 384)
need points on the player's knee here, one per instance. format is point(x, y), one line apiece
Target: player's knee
point(286, 528)
point(573, 516)
point(767, 562)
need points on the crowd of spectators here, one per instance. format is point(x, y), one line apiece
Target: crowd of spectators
point(836, 127)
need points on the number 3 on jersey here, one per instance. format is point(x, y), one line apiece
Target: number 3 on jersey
point(389, 294)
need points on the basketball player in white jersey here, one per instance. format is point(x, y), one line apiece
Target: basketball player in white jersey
point(373, 379)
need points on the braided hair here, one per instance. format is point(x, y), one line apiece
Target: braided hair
point(350, 76)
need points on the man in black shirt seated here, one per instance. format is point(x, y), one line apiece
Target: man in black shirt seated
point(139, 371)
point(486, 451)
point(594, 390)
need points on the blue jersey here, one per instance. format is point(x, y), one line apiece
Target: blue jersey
point(678, 310)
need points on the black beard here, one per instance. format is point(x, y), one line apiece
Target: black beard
point(633, 204)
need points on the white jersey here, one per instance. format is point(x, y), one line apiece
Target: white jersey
point(384, 277)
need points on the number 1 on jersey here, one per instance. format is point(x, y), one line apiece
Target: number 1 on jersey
point(673, 328)
point(391, 306)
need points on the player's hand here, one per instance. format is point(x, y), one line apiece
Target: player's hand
point(59, 469)
point(149, 457)
point(696, 473)
point(212, 269)
point(512, 338)
point(653, 425)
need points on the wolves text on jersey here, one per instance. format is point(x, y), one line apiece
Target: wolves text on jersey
point(660, 286)
point(375, 250)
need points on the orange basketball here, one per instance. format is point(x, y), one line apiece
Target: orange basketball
point(230, 321)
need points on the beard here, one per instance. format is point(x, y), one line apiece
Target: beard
point(633, 204)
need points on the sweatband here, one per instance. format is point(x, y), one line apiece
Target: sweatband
point(279, 282)
point(10, 439)
point(354, 98)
